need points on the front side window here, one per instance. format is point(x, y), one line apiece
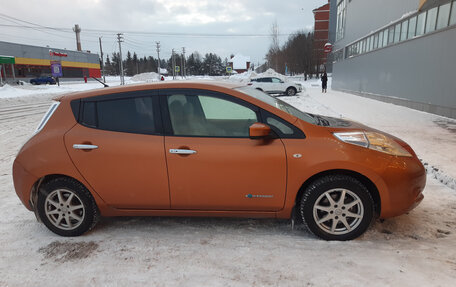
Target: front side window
point(209, 116)
point(276, 80)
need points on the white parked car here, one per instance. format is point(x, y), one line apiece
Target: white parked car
point(273, 85)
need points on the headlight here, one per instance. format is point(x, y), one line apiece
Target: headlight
point(374, 141)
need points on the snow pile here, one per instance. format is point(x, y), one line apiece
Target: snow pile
point(243, 77)
point(439, 175)
point(145, 77)
point(272, 73)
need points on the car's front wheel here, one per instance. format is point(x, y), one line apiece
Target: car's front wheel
point(337, 207)
point(291, 91)
point(66, 207)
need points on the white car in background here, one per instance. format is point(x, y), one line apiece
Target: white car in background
point(274, 85)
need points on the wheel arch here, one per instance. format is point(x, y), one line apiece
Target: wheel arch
point(292, 87)
point(45, 179)
point(371, 187)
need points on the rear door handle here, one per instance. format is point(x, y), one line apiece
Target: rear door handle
point(182, 151)
point(85, 146)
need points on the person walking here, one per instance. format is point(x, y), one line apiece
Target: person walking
point(324, 82)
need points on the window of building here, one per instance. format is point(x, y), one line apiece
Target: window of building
point(368, 44)
point(380, 39)
point(431, 19)
point(371, 43)
point(412, 27)
point(375, 46)
point(397, 33)
point(453, 14)
point(404, 27)
point(420, 24)
point(385, 37)
point(390, 35)
point(340, 25)
point(444, 15)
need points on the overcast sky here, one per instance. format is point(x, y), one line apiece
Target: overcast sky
point(175, 23)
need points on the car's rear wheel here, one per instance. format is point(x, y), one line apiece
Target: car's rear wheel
point(66, 207)
point(291, 91)
point(337, 207)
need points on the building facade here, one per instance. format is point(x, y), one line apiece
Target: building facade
point(401, 52)
point(321, 37)
point(25, 61)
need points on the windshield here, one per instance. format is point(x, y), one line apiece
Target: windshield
point(259, 95)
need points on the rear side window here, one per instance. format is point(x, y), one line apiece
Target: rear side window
point(131, 115)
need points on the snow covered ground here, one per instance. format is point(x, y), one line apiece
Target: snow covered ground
point(416, 249)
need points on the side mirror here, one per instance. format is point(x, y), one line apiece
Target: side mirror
point(259, 130)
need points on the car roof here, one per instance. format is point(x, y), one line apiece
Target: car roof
point(204, 85)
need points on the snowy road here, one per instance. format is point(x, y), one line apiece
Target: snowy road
point(416, 249)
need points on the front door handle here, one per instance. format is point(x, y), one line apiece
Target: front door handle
point(182, 151)
point(85, 146)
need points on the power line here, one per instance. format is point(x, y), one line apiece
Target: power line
point(152, 33)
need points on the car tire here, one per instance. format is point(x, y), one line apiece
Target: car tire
point(291, 91)
point(337, 207)
point(66, 207)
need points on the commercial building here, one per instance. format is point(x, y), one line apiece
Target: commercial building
point(321, 37)
point(21, 62)
point(396, 51)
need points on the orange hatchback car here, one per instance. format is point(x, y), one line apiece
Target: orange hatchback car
point(210, 149)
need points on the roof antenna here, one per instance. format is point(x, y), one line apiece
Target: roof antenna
point(104, 84)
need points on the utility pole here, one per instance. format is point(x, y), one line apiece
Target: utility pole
point(120, 40)
point(183, 62)
point(173, 64)
point(77, 30)
point(102, 61)
point(158, 55)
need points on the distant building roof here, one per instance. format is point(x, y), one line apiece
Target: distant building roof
point(239, 62)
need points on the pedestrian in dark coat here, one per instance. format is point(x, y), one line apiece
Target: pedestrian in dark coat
point(324, 82)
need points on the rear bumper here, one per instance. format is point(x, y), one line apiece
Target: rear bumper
point(23, 183)
point(405, 180)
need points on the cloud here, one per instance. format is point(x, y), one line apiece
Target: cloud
point(162, 16)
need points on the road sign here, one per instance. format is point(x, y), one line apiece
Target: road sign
point(177, 69)
point(229, 69)
point(327, 48)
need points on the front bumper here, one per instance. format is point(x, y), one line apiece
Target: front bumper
point(404, 179)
